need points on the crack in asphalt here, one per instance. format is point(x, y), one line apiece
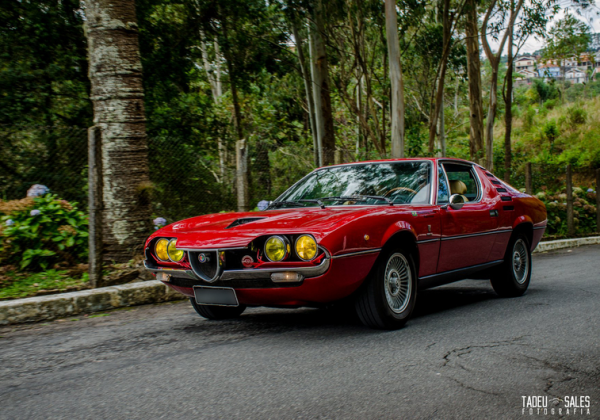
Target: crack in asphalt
point(467, 350)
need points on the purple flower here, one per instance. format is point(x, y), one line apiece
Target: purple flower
point(34, 212)
point(160, 221)
point(590, 190)
point(37, 190)
point(10, 222)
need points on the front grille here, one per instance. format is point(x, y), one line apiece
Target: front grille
point(208, 269)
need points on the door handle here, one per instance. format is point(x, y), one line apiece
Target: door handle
point(493, 213)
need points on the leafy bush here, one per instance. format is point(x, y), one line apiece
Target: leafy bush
point(550, 130)
point(584, 211)
point(576, 116)
point(37, 233)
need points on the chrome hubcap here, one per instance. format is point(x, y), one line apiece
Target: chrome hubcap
point(398, 283)
point(520, 261)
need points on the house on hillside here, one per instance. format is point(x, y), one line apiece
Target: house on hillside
point(526, 62)
point(549, 71)
point(575, 75)
point(524, 77)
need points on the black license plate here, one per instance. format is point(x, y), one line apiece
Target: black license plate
point(218, 296)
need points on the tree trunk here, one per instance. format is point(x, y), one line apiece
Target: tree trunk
point(241, 145)
point(213, 74)
point(441, 135)
point(439, 92)
point(494, 60)
point(322, 88)
point(117, 93)
point(508, 108)
point(474, 75)
point(397, 94)
point(307, 89)
point(489, 124)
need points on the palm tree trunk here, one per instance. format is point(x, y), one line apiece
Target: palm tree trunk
point(117, 92)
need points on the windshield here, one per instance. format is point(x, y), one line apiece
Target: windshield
point(369, 183)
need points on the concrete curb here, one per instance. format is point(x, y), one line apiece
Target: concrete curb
point(45, 308)
point(566, 243)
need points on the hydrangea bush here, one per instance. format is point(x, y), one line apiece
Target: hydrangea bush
point(41, 231)
point(584, 211)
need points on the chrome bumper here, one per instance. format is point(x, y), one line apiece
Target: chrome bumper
point(248, 273)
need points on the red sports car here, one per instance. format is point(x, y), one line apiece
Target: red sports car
point(376, 232)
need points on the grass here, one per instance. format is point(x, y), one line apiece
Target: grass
point(14, 284)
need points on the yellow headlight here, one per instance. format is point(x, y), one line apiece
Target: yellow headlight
point(161, 249)
point(175, 254)
point(276, 249)
point(306, 247)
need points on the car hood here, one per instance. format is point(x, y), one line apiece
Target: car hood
point(227, 230)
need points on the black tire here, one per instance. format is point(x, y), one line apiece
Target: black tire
point(217, 312)
point(513, 276)
point(388, 311)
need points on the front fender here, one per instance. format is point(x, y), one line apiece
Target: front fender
point(400, 226)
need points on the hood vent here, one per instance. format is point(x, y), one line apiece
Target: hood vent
point(244, 221)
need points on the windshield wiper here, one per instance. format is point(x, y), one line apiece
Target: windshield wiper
point(360, 198)
point(301, 202)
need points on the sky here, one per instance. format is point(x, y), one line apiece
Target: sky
point(591, 17)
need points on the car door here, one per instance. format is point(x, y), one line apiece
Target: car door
point(465, 239)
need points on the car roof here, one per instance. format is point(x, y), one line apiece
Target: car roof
point(435, 159)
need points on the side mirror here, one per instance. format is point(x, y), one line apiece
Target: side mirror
point(456, 202)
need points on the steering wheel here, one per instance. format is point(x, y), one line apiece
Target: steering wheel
point(399, 189)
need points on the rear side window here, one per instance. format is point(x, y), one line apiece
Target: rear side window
point(463, 181)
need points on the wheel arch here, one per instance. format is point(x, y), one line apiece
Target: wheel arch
point(524, 227)
point(403, 238)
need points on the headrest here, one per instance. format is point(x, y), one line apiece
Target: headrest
point(457, 187)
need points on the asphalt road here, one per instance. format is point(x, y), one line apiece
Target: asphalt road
point(465, 354)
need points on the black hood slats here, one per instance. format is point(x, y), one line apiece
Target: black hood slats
point(243, 221)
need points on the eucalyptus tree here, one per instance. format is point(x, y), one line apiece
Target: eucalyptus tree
point(451, 13)
point(396, 79)
point(117, 94)
point(495, 25)
point(531, 22)
point(476, 147)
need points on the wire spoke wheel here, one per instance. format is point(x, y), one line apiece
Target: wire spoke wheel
point(520, 261)
point(397, 283)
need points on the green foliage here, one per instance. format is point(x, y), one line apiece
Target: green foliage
point(568, 37)
point(576, 116)
point(550, 130)
point(43, 64)
point(15, 284)
point(47, 232)
point(584, 211)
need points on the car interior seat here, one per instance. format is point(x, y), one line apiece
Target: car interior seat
point(458, 187)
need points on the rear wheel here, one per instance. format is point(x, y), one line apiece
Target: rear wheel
point(217, 312)
point(388, 296)
point(514, 275)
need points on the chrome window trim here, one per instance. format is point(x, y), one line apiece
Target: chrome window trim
point(471, 167)
point(431, 163)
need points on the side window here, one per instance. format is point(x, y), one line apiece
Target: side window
point(462, 181)
point(443, 191)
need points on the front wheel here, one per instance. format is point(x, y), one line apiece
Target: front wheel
point(217, 312)
point(388, 296)
point(514, 275)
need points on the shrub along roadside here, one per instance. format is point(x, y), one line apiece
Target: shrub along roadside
point(42, 232)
